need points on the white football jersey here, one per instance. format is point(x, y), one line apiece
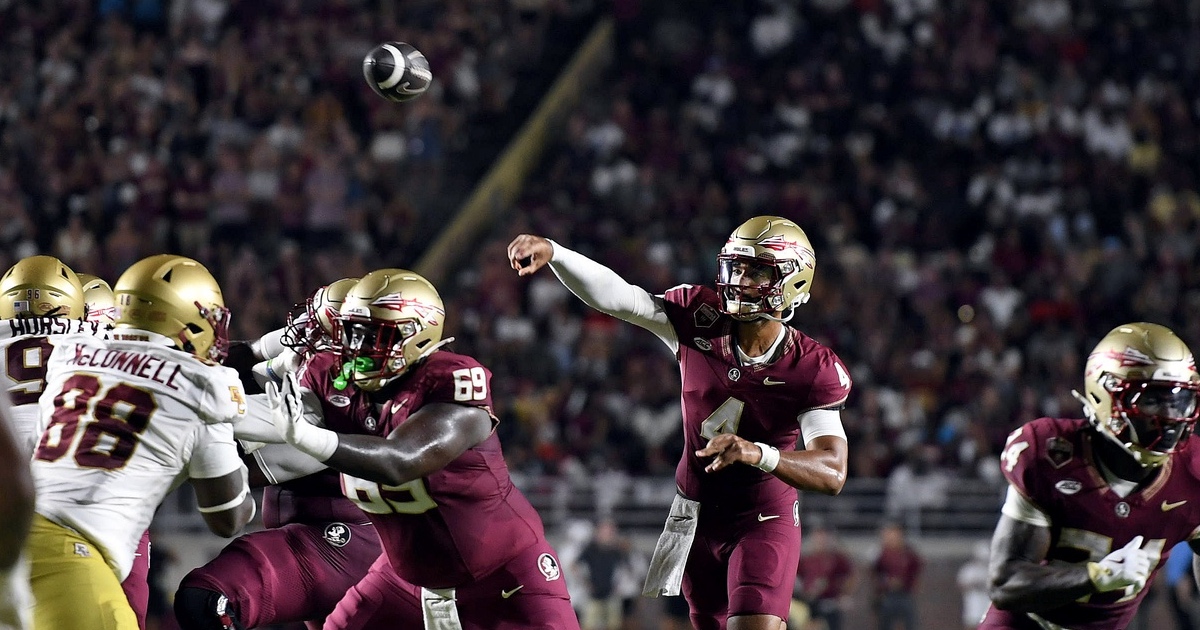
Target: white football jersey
point(123, 423)
point(24, 349)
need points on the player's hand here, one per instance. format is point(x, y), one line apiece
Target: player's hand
point(1129, 565)
point(528, 253)
point(287, 413)
point(728, 449)
point(287, 410)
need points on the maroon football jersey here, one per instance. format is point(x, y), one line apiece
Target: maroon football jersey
point(1050, 462)
point(315, 498)
point(458, 524)
point(759, 403)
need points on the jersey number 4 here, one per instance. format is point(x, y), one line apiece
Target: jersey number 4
point(118, 419)
point(723, 419)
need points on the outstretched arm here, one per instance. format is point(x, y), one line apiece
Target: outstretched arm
point(430, 439)
point(598, 286)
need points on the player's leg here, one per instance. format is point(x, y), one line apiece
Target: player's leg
point(137, 583)
point(293, 573)
point(380, 600)
point(72, 584)
point(527, 593)
point(704, 584)
point(762, 571)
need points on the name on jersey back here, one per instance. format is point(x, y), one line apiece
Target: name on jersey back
point(133, 363)
point(50, 326)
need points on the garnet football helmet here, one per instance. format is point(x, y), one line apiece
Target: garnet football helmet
point(316, 329)
point(765, 267)
point(1140, 390)
point(40, 285)
point(390, 320)
point(178, 298)
point(97, 299)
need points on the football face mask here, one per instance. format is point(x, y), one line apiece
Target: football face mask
point(1157, 416)
point(373, 352)
point(751, 287)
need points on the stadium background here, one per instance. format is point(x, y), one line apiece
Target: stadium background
point(989, 186)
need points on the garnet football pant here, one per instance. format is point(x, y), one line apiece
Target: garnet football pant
point(292, 573)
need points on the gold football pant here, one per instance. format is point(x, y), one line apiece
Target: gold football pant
point(73, 586)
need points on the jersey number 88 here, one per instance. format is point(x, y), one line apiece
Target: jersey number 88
point(109, 440)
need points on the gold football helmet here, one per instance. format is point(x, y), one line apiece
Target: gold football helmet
point(40, 285)
point(1140, 390)
point(176, 297)
point(390, 320)
point(766, 267)
point(97, 299)
point(317, 329)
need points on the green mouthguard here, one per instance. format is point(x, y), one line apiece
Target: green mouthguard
point(359, 364)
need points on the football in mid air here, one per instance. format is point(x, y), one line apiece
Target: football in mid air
point(397, 71)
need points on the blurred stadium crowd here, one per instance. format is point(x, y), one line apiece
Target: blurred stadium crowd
point(990, 186)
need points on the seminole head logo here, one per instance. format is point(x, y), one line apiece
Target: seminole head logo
point(780, 243)
point(1129, 357)
point(397, 302)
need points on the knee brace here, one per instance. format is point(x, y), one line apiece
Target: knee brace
point(202, 609)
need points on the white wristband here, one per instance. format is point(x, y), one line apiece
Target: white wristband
point(315, 441)
point(228, 505)
point(770, 457)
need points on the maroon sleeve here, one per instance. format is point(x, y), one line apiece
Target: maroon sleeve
point(457, 378)
point(831, 382)
point(1018, 461)
point(317, 372)
point(691, 308)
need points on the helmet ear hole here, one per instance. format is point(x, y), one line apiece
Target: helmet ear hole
point(167, 276)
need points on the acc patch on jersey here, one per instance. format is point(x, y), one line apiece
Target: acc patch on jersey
point(706, 316)
point(337, 534)
point(1059, 451)
point(549, 567)
point(338, 400)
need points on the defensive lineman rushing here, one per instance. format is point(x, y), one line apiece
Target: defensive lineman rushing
point(316, 545)
point(123, 421)
point(1093, 503)
point(410, 427)
point(751, 386)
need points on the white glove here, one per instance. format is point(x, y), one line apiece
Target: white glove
point(1129, 565)
point(287, 412)
point(277, 367)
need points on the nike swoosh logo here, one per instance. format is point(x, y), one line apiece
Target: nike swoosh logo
point(768, 381)
point(762, 518)
point(396, 406)
point(1167, 507)
point(507, 594)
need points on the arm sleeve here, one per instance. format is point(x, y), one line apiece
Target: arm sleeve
point(282, 462)
point(821, 422)
point(269, 345)
point(257, 425)
point(1017, 507)
point(215, 454)
point(602, 289)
